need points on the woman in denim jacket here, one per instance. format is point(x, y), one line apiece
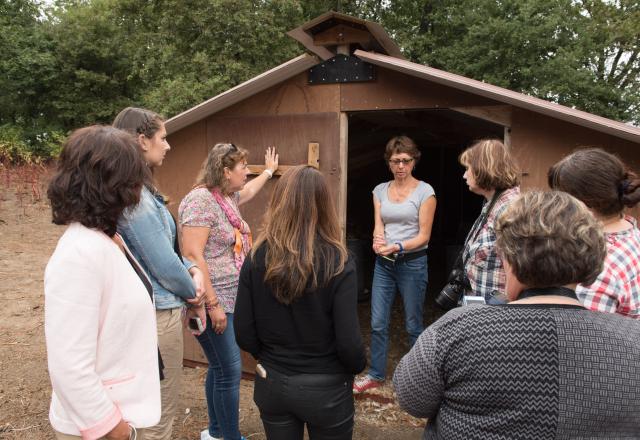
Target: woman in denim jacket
point(149, 231)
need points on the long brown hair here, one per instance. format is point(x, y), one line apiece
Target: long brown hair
point(302, 235)
point(139, 121)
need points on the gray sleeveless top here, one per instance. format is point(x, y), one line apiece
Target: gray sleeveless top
point(401, 219)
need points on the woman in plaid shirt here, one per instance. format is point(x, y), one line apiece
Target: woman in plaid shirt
point(607, 186)
point(490, 172)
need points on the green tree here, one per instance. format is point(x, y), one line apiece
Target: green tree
point(27, 72)
point(93, 53)
point(561, 50)
point(203, 47)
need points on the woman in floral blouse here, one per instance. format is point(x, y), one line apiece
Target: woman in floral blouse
point(217, 239)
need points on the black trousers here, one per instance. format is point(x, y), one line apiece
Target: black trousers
point(323, 401)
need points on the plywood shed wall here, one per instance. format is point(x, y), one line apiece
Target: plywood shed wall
point(351, 123)
point(293, 114)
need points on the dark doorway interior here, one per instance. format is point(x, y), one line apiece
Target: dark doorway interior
point(441, 135)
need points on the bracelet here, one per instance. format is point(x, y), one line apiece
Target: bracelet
point(210, 307)
point(401, 250)
point(269, 173)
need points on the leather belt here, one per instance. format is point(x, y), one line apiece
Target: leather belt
point(407, 256)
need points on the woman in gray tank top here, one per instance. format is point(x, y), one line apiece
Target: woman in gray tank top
point(403, 213)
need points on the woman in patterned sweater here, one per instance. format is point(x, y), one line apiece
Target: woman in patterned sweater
point(542, 366)
point(606, 186)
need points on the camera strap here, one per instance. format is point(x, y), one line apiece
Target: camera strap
point(479, 224)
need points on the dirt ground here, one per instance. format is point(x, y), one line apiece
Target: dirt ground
point(28, 238)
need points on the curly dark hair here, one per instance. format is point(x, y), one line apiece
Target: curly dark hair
point(100, 173)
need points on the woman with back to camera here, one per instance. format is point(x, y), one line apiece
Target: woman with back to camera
point(297, 314)
point(403, 216)
point(100, 324)
point(541, 366)
point(606, 186)
point(490, 172)
point(150, 232)
point(215, 236)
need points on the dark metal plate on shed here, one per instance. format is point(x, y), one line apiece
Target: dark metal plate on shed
point(341, 69)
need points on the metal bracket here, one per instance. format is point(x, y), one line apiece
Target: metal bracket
point(342, 69)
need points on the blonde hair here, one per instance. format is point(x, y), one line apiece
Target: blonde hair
point(221, 156)
point(551, 239)
point(303, 235)
point(491, 164)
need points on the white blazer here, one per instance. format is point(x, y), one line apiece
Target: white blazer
point(100, 330)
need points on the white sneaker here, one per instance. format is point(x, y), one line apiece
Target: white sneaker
point(204, 435)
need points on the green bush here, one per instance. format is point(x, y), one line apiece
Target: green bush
point(18, 146)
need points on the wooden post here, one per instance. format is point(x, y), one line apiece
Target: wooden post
point(344, 156)
point(314, 155)
point(313, 159)
point(507, 137)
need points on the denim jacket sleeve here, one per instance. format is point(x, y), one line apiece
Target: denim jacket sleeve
point(147, 236)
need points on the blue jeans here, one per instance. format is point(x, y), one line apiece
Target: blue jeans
point(222, 385)
point(410, 279)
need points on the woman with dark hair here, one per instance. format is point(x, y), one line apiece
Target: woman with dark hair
point(99, 316)
point(150, 232)
point(217, 239)
point(607, 186)
point(296, 312)
point(490, 172)
point(541, 366)
point(403, 216)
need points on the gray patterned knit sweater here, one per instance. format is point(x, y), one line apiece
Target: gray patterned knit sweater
point(525, 372)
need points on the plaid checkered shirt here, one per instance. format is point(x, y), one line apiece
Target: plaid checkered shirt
point(482, 263)
point(617, 288)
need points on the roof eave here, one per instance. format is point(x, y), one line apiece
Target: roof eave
point(241, 91)
point(558, 111)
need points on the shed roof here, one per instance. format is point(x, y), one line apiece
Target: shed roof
point(578, 117)
point(303, 62)
point(241, 91)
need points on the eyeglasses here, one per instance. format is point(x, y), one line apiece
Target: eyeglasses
point(397, 162)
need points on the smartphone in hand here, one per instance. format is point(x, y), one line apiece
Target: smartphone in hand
point(195, 325)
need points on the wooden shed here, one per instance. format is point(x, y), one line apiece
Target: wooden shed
point(336, 106)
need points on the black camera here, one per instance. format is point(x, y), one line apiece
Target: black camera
point(450, 295)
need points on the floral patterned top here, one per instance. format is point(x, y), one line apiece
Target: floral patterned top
point(199, 208)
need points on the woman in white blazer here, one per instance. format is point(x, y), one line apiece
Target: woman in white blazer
point(99, 315)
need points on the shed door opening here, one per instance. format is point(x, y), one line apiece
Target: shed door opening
point(441, 136)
